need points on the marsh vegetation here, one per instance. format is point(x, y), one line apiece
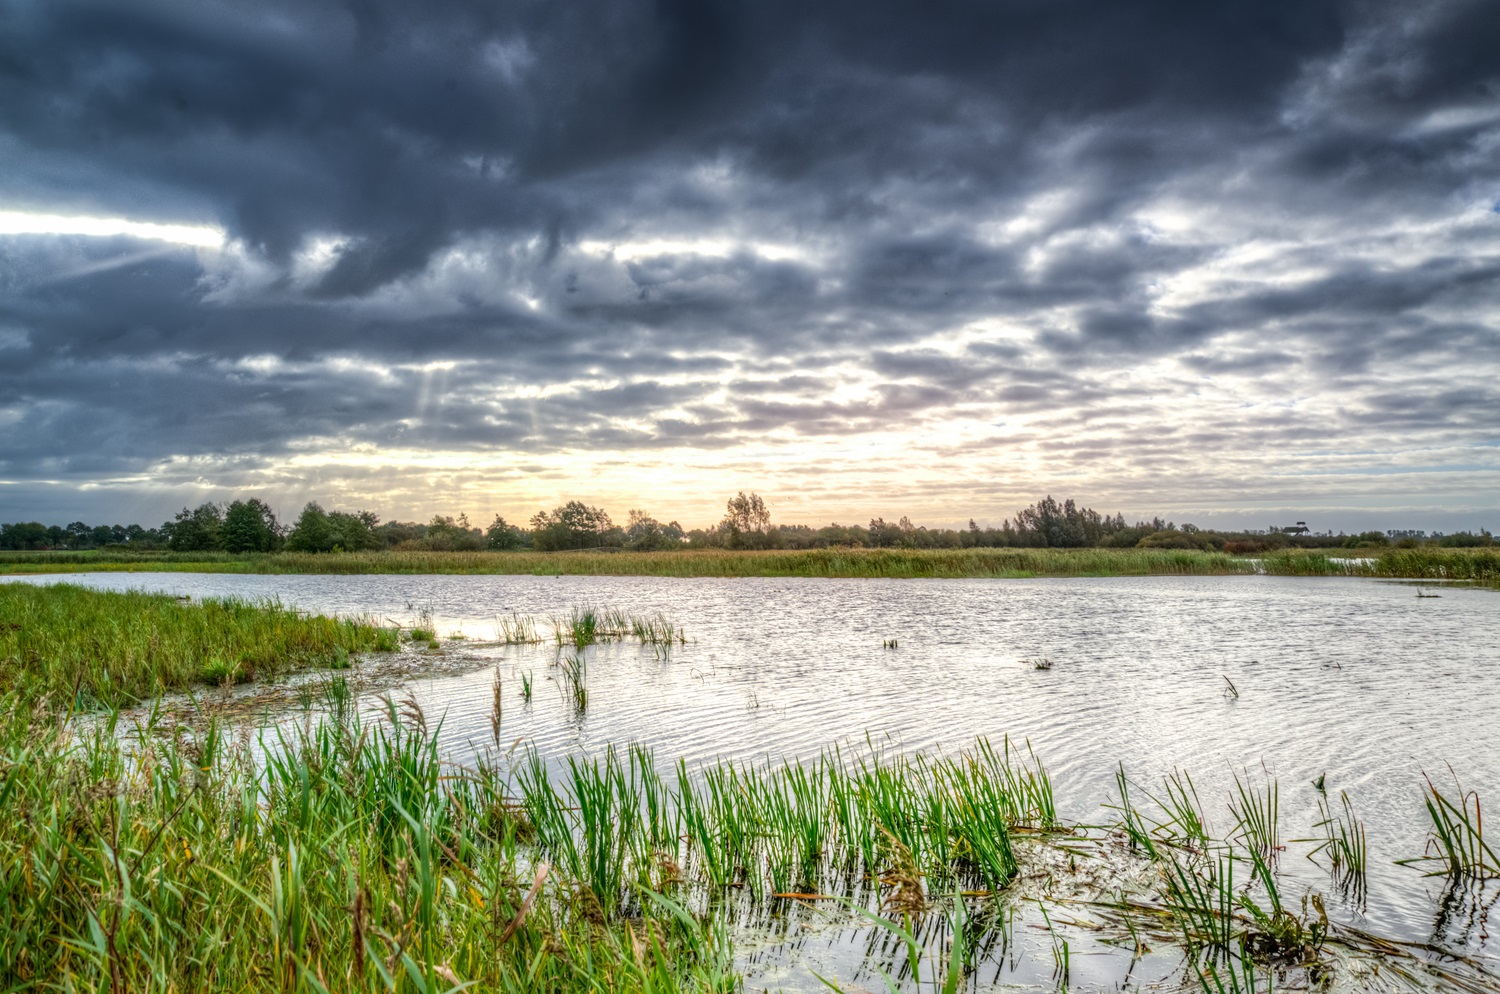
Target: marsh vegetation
point(349, 848)
point(85, 648)
point(1481, 565)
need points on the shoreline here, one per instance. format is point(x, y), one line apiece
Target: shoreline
point(1481, 564)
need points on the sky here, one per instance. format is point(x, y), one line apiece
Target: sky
point(1235, 263)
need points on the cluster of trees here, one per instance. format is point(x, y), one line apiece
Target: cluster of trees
point(251, 526)
point(578, 526)
point(35, 535)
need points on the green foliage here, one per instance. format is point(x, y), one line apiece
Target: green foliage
point(318, 530)
point(1456, 842)
point(504, 537)
point(976, 562)
point(23, 535)
point(249, 526)
point(195, 530)
point(351, 859)
point(80, 647)
point(453, 535)
point(1064, 525)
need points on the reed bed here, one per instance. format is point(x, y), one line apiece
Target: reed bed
point(83, 648)
point(352, 860)
point(1425, 563)
point(895, 563)
point(349, 856)
point(1481, 564)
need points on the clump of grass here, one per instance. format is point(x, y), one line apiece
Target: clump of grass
point(580, 629)
point(81, 647)
point(517, 630)
point(574, 669)
point(1456, 836)
point(584, 627)
point(1256, 816)
point(1038, 663)
point(1181, 825)
point(1343, 841)
point(657, 630)
point(349, 854)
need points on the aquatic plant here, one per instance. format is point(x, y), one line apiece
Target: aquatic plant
point(574, 668)
point(517, 630)
point(1256, 816)
point(657, 630)
point(1343, 841)
point(352, 859)
point(1456, 837)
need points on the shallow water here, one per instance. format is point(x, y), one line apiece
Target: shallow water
point(1359, 679)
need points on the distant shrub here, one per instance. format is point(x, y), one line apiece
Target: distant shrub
point(1176, 540)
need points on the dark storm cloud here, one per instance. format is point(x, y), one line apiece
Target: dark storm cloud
point(469, 226)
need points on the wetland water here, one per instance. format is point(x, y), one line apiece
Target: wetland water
point(1360, 680)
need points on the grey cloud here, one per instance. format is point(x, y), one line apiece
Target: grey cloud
point(932, 170)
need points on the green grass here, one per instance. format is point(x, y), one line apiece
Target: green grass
point(352, 860)
point(350, 857)
point(1456, 841)
point(1422, 563)
point(80, 647)
point(709, 562)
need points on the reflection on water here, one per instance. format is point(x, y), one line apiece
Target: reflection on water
point(1358, 680)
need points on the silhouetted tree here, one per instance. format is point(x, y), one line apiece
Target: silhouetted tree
point(746, 523)
point(646, 534)
point(503, 535)
point(575, 525)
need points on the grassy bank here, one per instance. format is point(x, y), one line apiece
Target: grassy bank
point(706, 562)
point(1421, 563)
point(1427, 563)
point(87, 647)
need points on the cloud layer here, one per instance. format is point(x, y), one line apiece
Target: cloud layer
point(1223, 261)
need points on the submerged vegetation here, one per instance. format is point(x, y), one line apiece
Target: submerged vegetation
point(83, 647)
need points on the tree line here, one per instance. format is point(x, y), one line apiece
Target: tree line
point(250, 525)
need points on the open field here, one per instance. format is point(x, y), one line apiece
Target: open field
point(1421, 563)
point(85, 647)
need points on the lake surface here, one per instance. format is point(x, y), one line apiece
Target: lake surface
point(1357, 679)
